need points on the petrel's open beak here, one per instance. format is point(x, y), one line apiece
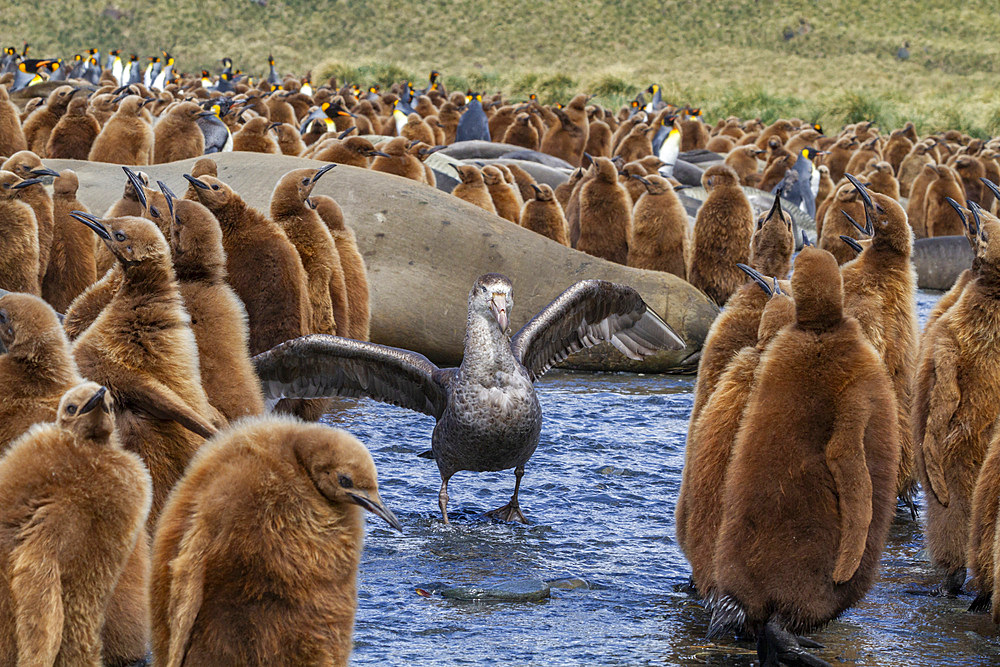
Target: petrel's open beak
point(498, 306)
point(375, 506)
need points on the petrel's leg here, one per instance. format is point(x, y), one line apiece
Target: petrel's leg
point(512, 510)
point(443, 498)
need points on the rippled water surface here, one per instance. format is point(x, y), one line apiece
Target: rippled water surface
point(600, 493)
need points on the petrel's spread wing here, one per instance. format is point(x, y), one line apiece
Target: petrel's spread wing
point(320, 366)
point(589, 312)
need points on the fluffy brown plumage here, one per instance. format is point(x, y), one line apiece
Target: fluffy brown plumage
point(28, 166)
point(661, 235)
point(955, 392)
point(37, 368)
point(218, 317)
point(472, 188)
point(271, 508)
point(505, 199)
point(177, 135)
point(73, 508)
point(38, 126)
point(126, 138)
point(18, 236)
point(605, 214)
point(255, 136)
point(354, 275)
point(543, 215)
point(722, 234)
point(72, 267)
point(810, 490)
point(142, 348)
point(11, 135)
point(74, 134)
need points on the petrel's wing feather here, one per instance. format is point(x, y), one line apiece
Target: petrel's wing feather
point(320, 366)
point(589, 312)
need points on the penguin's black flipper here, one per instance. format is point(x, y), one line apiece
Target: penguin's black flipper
point(982, 604)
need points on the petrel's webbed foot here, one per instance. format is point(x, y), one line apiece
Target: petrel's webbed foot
point(776, 646)
point(512, 510)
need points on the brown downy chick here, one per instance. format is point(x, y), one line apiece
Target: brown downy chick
point(71, 263)
point(27, 165)
point(661, 236)
point(284, 501)
point(396, 160)
point(74, 504)
point(744, 161)
point(289, 139)
point(522, 133)
point(544, 216)
point(218, 318)
point(274, 292)
point(353, 281)
point(11, 135)
point(831, 464)
point(18, 236)
point(142, 348)
point(605, 214)
point(126, 138)
point(722, 234)
point(565, 139)
point(956, 385)
point(36, 368)
point(177, 135)
point(255, 136)
point(840, 155)
point(836, 223)
point(503, 195)
point(880, 291)
point(636, 145)
point(38, 126)
point(881, 179)
point(352, 151)
point(912, 166)
point(74, 134)
point(204, 167)
point(472, 188)
point(896, 149)
point(939, 217)
point(970, 170)
point(865, 155)
point(699, 504)
point(416, 129)
point(598, 139)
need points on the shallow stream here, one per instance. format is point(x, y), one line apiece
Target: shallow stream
point(599, 493)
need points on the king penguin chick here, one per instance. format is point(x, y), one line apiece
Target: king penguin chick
point(177, 135)
point(394, 159)
point(255, 136)
point(722, 232)
point(73, 508)
point(522, 133)
point(275, 506)
point(826, 467)
point(956, 385)
point(274, 293)
point(18, 236)
point(939, 218)
point(126, 138)
point(38, 126)
point(218, 317)
point(737, 325)
point(355, 275)
point(661, 237)
point(74, 134)
point(543, 215)
point(11, 135)
point(605, 214)
point(71, 262)
point(503, 195)
point(700, 500)
point(472, 188)
point(27, 165)
point(37, 368)
point(880, 291)
point(142, 348)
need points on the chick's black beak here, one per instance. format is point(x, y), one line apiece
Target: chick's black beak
point(375, 506)
point(169, 196)
point(94, 401)
point(851, 242)
point(137, 185)
point(757, 277)
point(91, 221)
point(27, 183)
point(44, 171)
point(321, 171)
point(196, 183)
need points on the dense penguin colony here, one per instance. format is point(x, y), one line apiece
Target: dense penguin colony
point(163, 363)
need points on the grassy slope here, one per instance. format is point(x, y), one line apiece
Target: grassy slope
point(727, 57)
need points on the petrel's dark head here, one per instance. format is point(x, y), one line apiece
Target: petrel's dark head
point(492, 294)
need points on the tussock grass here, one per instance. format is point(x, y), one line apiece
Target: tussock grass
point(728, 57)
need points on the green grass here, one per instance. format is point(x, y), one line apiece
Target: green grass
point(727, 57)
